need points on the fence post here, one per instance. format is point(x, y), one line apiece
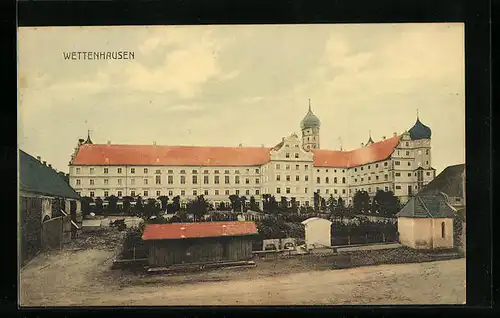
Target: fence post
point(366, 238)
point(383, 237)
point(348, 240)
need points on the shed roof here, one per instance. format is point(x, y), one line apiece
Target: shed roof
point(35, 177)
point(314, 219)
point(176, 231)
point(450, 181)
point(432, 205)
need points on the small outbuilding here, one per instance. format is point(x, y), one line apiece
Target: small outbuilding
point(426, 222)
point(317, 232)
point(199, 243)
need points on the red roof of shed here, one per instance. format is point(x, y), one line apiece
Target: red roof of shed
point(175, 231)
point(92, 154)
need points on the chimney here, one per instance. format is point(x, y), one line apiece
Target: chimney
point(109, 142)
point(240, 145)
point(45, 163)
point(39, 158)
point(395, 134)
point(362, 144)
point(383, 137)
point(50, 166)
point(154, 143)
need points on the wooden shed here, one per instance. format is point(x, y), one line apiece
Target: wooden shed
point(199, 243)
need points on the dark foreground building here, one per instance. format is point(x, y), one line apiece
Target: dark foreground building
point(199, 243)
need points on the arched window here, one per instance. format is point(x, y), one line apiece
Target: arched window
point(327, 180)
point(442, 230)
point(335, 180)
point(343, 180)
point(318, 180)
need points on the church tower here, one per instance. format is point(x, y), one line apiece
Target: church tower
point(310, 130)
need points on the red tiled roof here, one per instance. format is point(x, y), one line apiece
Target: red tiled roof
point(221, 156)
point(170, 155)
point(175, 231)
point(372, 153)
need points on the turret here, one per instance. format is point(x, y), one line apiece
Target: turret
point(310, 130)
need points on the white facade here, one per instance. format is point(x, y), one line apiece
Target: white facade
point(317, 233)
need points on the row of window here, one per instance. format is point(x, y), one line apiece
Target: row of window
point(407, 153)
point(158, 171)
point(327, 180)
point(182, 179)
point(170, 193)
point(369, 167)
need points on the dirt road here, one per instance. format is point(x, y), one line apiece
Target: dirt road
point(80, 279)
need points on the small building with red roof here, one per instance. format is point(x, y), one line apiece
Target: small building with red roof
point(198, 243)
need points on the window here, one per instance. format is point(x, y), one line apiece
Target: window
point(226, 179)
point(78, 170)
point(237, 179)
point(247, 181)
point(106, 170)
point(369, 189)
point(318, 191)
point(343, 179)
point(368, 167)
point(306, 178)
point(106, 181)
point(91, 181)
point(183, 192)
point(78, 181)
point(278, 177)
point(335, 191)
point(170, 171)
point(376, 165)
point(183, 171)
point(132, 193)
point(194, 179)
point(287, 155)
point(361, 168)
point(327, 180)
point(216, 171)
point(183, 180)
point(317, 170)
point(409, 163)
point(428, 173)
point(386, 177)
point(442, 230)
point(194, 171)
point(257, 180)
point(369, 178)
point(195, 192)
point(227, 192)
point(226, 171)
point(205, 179)
point(427, 151)
point(398, 174)
point(158, 193)
point(386, 189)
point(306, 167)
point(287, 190)
point(91, 170)
point(398, 187)
point(92, 194)
point(355, 180)
point(158, 171)
point(248, 171)
point(256, 170)
point(170, 192)
point(327, 191)
point(132, 170)
point(305, 190)
point(158, 179)
point(237, 192)
point(170, 179)
point(407, 153)
point(296, 155)
point(216, 192)
point(257, 192)
point(407, 144)
point(278, 167)
point(362, 179)
point(278, 190)
point(205, 171)
point(355, 169)
point(343, 191)
point(145, 181)
point(145, 170)
point(106, 194)
point(376, 177)
point(335, 180)
point(427, 162)
point(119, 170)
point(247, 192)
point(146, 193)
point(216, 179)
point(396, 163)
point(297, 178)
point(287, 178)
point(132, 181)
point(409, 174)
point(318, 180)
point(287, 167)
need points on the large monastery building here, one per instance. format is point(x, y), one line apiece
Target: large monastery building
point(296, 167)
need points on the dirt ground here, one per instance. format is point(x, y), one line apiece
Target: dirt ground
point(81, 276)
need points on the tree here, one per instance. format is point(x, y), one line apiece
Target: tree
point(86, 205)
point(139, 206)
point(283, 204)
point(127, 205)
point(243, 200)
point(253, 204)
point(112, 204)
point(198, 208)
point(332, 204)
point(273, 204)
point(175, 206)
point(222, 206)
point(323, 204)
point(164, 202)
point(294, 207)
point(98, 206)
point(387, 203)
point(317, 201)
point(361, 202)
point(235, 202)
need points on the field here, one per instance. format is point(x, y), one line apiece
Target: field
point(80, 275)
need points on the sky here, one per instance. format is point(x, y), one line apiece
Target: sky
point(241, 84)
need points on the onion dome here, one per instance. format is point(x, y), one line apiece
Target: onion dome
point(419, 131)
point(310, 120)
